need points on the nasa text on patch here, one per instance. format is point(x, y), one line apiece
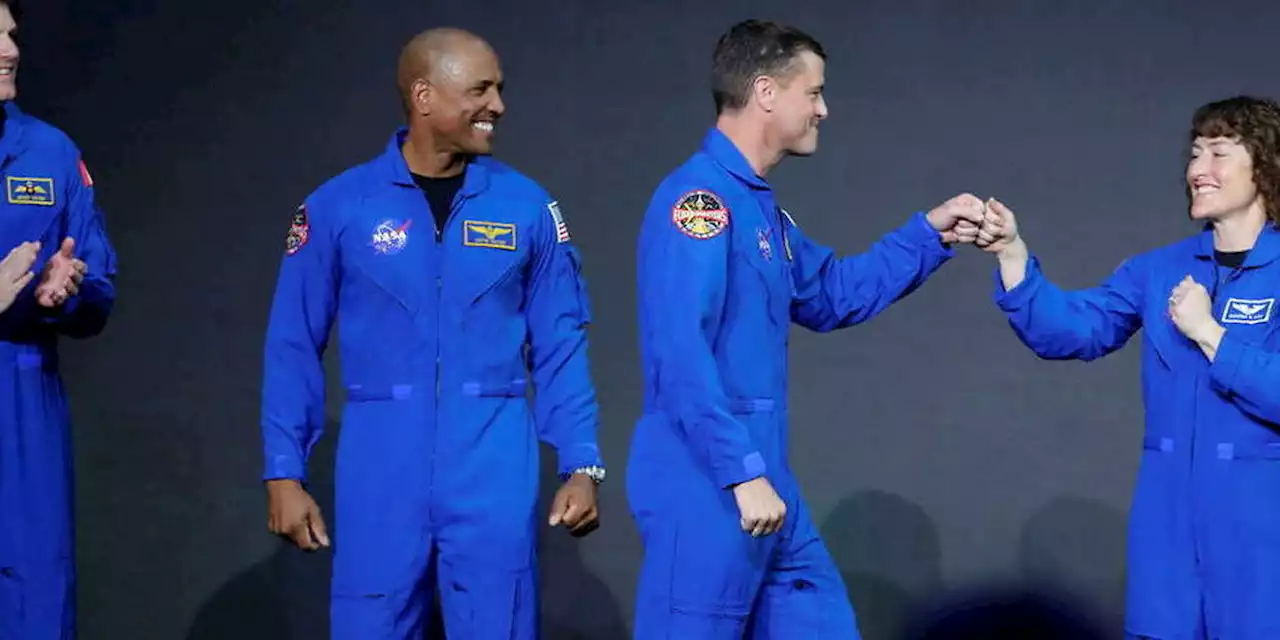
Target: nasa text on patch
point(390, 236)
point(299, 231)
point(562, 230)
point(700, 214)
point(1242, 311)
point(30, 190)
point(494, 235)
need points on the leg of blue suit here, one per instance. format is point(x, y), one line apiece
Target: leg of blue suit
point(37, 561)
point(395, 514)
point(381, 536)
point(703, 577)
point(803, 595)
point(485, 600)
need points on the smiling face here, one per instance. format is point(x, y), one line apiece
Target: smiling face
point(8, 54)
point(1233, 171)
point(464, 102)
point(796, 105)
point(1220, 179)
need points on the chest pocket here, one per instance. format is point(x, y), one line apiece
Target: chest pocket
point(393, 247)
point(760, 242)
point(1252, 317)
point(488, 261)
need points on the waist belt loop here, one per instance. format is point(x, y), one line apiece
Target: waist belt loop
point(362, 393)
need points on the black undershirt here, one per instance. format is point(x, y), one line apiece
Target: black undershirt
point(440, 193)
point(1231, 259)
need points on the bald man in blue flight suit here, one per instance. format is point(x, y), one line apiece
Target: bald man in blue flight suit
point(730, 549)
point(454, 284)
point(49, 214)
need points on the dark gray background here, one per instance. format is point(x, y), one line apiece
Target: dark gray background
point(939, 457)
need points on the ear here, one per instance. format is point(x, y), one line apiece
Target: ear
point(422, 93)
point(765, 90)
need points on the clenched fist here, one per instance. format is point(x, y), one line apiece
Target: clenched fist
point(1191, 309)
point(761, 509)
point(999, 232)
point(293, 515)
point(957, 219)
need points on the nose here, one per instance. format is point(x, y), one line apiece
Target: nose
point(496, 105)
point(821, 111)
point(8, 48)
point(1197, 167)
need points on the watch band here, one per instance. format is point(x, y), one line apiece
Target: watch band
point(594, 472)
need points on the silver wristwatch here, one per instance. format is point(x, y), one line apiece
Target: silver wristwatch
point(595, 473)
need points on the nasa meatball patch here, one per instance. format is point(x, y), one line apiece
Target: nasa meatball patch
point(700, 214)
point(299, 231)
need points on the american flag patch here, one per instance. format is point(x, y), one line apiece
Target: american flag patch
point(562, 230)
point(85, 178)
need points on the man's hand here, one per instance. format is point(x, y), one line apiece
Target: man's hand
point(957, 219)
point(293, 514)
point(62, 275)
point(1192, 312)
point(575, 506)
point(759, 506)
point(15, 272)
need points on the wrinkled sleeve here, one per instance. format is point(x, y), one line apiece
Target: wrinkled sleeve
point(1249, 375)
point(834, 293)
point(302, 313)
point(85, 314)
point(559, 311)
point(682, 274)
point(1073, 325)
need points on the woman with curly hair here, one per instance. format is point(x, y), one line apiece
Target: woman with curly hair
point(1204, 529)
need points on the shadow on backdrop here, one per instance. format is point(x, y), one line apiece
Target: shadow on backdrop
point(576, 604)
point(1004, 613)
point(285, 596)
point(1071, 556)
point(888, 552)
point(1078, 545)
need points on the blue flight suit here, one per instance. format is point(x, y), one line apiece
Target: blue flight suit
point(438, 450)
point(1204, 531)
point(48, 197)
point(723, 272)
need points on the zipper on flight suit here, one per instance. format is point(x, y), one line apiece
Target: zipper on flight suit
point(440, 249)
point(1195, 408)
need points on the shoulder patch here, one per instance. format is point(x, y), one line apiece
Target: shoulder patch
point(700, 214)
point(299, 231)
point(562, 230)
point(85, 178)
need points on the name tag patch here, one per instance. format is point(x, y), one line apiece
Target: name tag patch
point(494, 235)
point(1242, 311)
point(29, 190)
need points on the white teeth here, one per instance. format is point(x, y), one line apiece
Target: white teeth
point(484, 126)
point(1205, 189)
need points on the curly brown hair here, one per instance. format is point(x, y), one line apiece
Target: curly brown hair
point(1255, 123)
